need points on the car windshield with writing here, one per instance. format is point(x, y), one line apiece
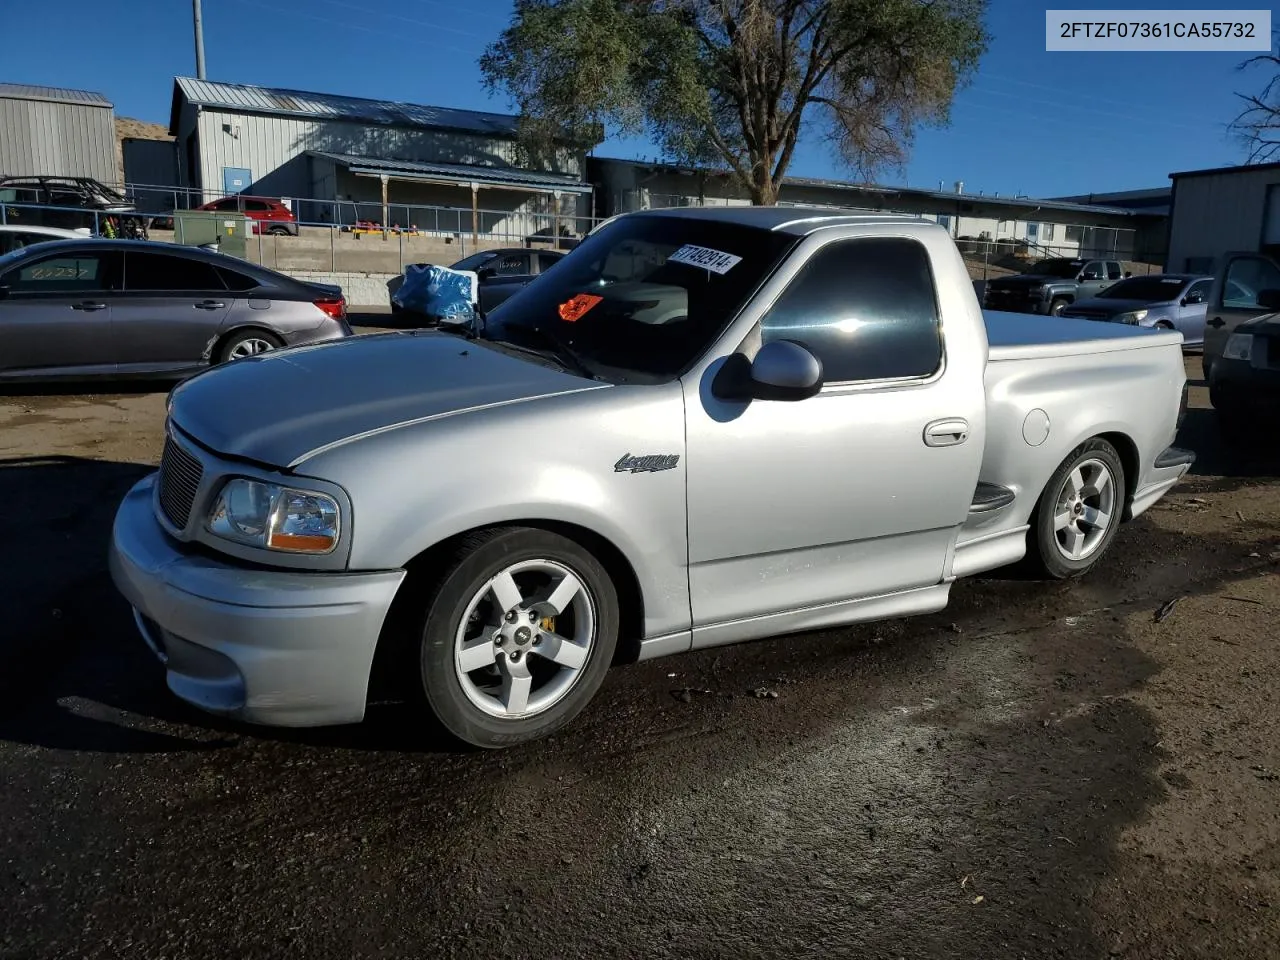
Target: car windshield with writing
point(1146, 289)
point(644, 298)
point(1064, 269)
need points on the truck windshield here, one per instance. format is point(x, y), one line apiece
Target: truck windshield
point(643, 298)
point(1066, 269)
point(1148, 289)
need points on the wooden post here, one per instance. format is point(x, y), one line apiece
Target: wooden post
point(385, 213)
point(475, 215)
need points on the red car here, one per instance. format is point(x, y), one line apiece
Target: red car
point(273, 216)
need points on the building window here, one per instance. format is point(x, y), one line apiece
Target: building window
point(944, 219)
point(1048, 232)
point(1075, 234)
point(1033, 232)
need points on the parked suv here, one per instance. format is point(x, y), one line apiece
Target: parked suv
point(1050, 285)
point(70, 202)
point(272, 215)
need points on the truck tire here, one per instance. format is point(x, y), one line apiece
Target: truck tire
point(1057, 305)
point(1079, 512)
point(519, 632)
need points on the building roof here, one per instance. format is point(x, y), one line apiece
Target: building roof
point(23, 91)
point(246, 98)
point(877, 190)
point(1210, 171)
point(459, 173)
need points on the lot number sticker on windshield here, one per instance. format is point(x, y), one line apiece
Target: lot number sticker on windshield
point(705, 257)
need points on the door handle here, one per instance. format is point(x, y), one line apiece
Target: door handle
point(89, 305)
point(946, 433)
point(1217, 322)
point(209, 305)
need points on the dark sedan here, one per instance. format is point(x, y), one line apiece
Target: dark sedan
point(500, 273)
point(74, 309)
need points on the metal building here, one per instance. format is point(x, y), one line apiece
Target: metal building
point(1223, 210)
point(56, 133)
point(359, 157)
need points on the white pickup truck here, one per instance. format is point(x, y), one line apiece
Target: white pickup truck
point(703, 427)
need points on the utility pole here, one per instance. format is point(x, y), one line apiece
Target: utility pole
point(195, 11)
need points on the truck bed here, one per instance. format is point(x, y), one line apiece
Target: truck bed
point(1019, 336)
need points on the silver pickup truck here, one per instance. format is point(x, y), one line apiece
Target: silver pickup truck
point(702, 427)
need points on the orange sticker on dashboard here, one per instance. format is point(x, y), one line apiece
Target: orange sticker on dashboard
point(573, 308)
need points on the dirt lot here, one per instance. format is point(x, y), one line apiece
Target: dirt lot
point(1043, 770)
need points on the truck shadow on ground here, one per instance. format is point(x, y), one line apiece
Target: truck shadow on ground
point(60, 605)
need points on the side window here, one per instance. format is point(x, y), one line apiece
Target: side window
point(230, 203)
point(1114, 270)
point(546, 262)
point(866, 308)
point(158, 271)
point(1246, 278)
point(257, 206)
point(1198, 292)
point(235, 280)
point(64, 274)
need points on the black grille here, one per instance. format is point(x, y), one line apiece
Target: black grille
point(1273, 352)
point(180, 474)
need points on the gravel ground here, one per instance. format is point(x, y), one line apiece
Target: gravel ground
point(1042, 770)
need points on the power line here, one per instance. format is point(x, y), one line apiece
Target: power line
point(1130, 117)
point(346, 25)
point(411, 20)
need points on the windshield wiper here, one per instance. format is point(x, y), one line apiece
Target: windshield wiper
point(561, 351)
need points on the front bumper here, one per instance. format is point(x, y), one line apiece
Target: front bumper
point(265, 646)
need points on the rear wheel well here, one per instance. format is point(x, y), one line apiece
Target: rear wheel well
point(397, 641)
point(216, 351)
point(1128, 452)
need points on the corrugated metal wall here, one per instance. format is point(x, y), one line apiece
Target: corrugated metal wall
point(57, 139)
point(1217, 213)
point(148, 166)
point(272, 149)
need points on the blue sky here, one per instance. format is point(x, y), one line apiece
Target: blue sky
point(1033, 122)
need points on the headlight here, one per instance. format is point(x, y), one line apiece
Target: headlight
point(1134, 318)
point(274, 517)
point(1239, 347)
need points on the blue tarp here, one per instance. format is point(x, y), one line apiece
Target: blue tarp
point(438, 293)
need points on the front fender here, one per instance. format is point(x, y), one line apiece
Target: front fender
point(551, 460)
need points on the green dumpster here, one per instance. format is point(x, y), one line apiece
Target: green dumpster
point(230, 231)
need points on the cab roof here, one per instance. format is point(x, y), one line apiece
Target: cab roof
point(795, 220)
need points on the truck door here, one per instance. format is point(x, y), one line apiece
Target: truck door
point(1093, 280)
point(1237, 289)
point(859, 491)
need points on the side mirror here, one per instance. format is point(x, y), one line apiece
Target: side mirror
point(785, 370)
point(1269, 299)
point(488, 273)
point(1128, 274)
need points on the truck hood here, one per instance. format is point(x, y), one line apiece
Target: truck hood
point(282, 407)
point(1267, 325)
point(1023, 280)
point(1110, 307)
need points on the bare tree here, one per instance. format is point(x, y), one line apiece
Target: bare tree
point(1258, 123)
